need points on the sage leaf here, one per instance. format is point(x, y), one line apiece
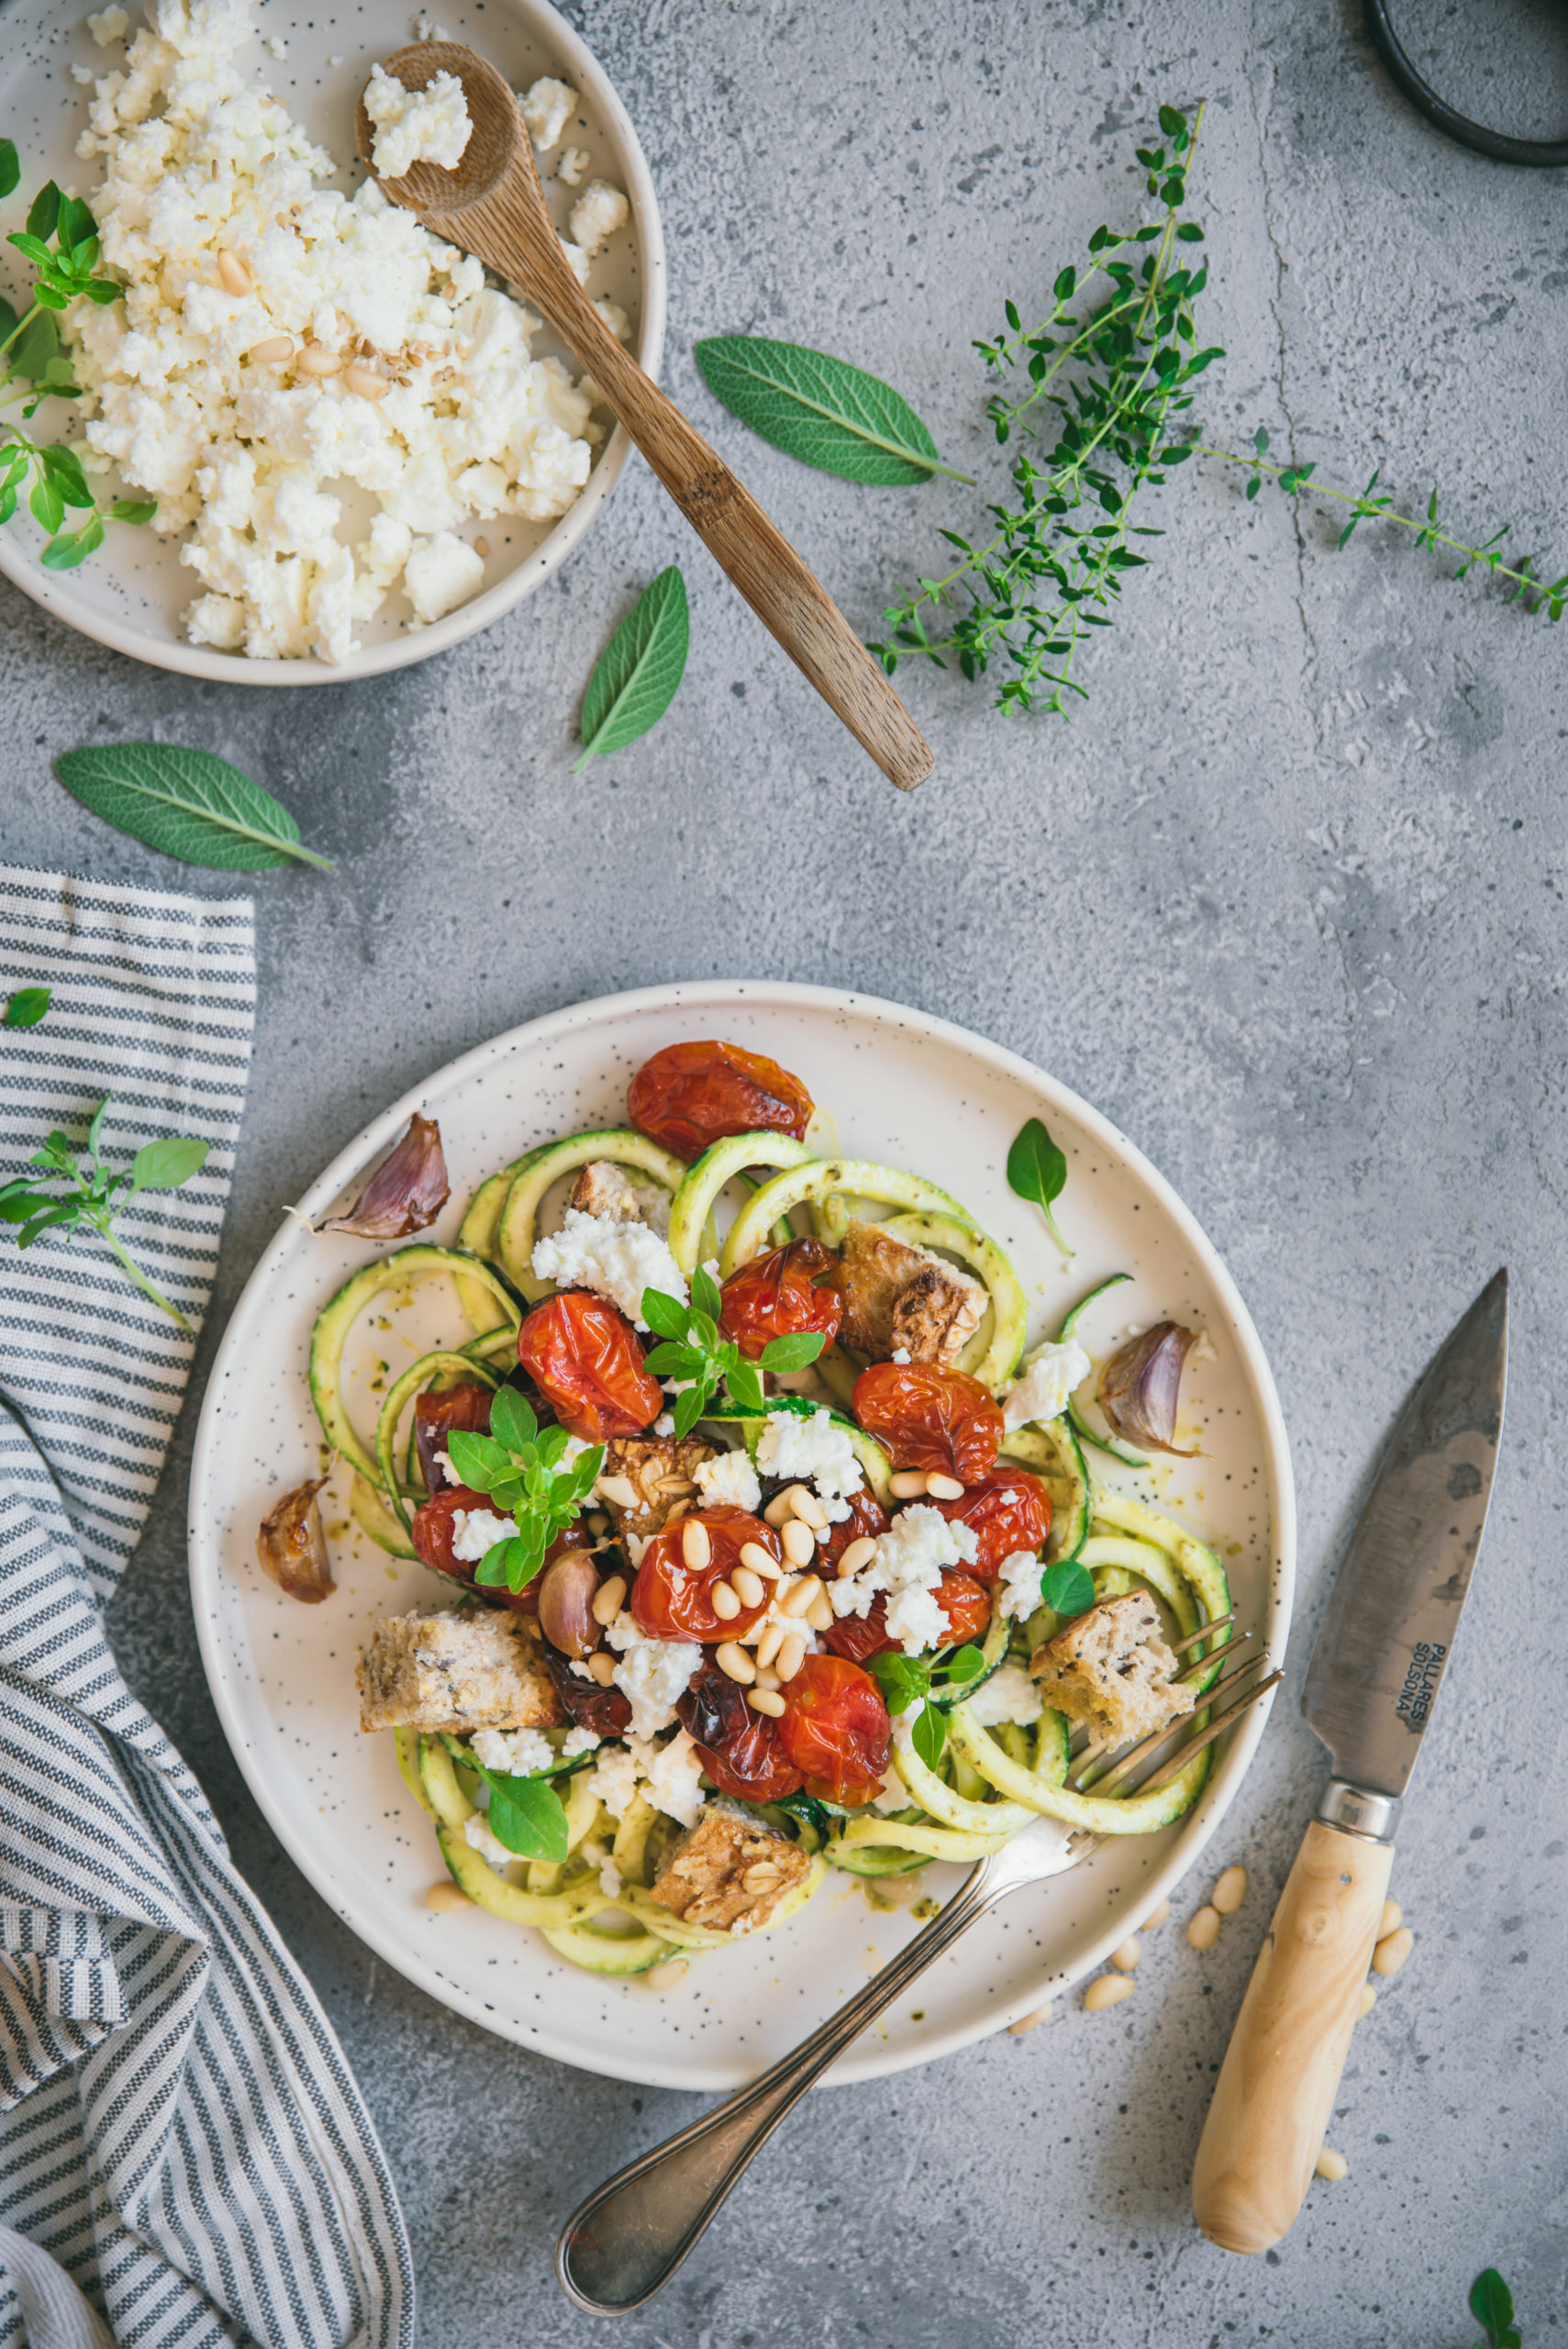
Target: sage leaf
point(26, 1007)
point(186, 804)
point(821, 409)
point(638, 670)
point(1037, 1170)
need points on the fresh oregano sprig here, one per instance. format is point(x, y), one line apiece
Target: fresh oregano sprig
point(96, 1197)
point(26, 1007)
point(909, 1680)
point(526, 1813)
point(530, 1478)
point(1037, 1170)
point(695, 1350)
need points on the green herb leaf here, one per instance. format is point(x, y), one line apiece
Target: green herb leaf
point(666, 1316)
point(133, 509)
point(1068, 1587)
point(44, 213)
point(1492, 2306)
point(26, 1007)
point(96, 1196)
point(186, 804)
point(905, 1680)
point(64, 554)
point(529, 1816)
point(962, 1665)
point(929, 1734)
point(705, 1293)
point(1037, 1170)
point(10, 168)
point(639, 670)
point(512, 1563)
point(36, 348)
point(479, 1460)
point(164, 1165)
point(793, 1353)
point(95, 1130)
point(512, 1423)
point(820, 409)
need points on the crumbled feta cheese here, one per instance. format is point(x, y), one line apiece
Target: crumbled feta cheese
point(612, 316)
point(574, 161)
point(277, 46)
point(517, 1754)
point(617, 1261)
point(444, 1461)
point(577, 1741)
point(907, 1563)
point(545, 110)
point(426, 27)
point(665, 1423)
point(598, 212)
point(651, 1673)
point(83, 74)
point(636, 1544)
point(475, 1530)
point(1048, 1385)
point(428, 126)
point(819, 1448)
point(1008, 1696)
point(610, 1879)
point(1204, 1349)
point(899, 1354)
point(894, 1794)
point(1018, 1594)
point(667, 1774)
point(729, 1482)
point(110, 24)
point(614, 1779)
point(480, 1837)
point(440, 574)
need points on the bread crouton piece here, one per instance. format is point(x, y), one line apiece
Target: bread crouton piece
point(729, 1873)
point(605, 1188)
point(903, 1299)
point(1111, 1669)
point(647, 1479)
point(483, 1669)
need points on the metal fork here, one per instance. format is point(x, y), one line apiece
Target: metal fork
point(623, 2244)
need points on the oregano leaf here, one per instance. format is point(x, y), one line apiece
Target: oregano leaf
point(26, 1007)
point(1037, 1170)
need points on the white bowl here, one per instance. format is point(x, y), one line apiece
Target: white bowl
point(129, 595)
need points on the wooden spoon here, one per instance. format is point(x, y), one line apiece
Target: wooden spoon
point(494, 208)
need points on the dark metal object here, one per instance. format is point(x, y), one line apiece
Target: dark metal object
point(1548, 153)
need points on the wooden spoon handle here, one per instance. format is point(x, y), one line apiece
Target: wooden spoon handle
point(1276, 2087)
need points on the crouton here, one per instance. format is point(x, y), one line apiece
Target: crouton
point(483, 1669)
point(646, 1479)
point(1111, 1669)
point(729, 1873)
point(903, 1299)
point(605, 1188)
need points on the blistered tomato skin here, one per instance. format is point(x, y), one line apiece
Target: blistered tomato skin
point(1006, 1512)
point(584, 1358)
point(836, 1731)
point(940, 1420)
point(777, 1297)
point(690, 1096)
point(670, 1600)
point(741, 1750)
point(432, 1535)
point(436, 1417)
point(866, 1516)
point(966, 1602)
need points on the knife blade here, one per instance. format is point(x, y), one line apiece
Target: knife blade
point(1379, 1662)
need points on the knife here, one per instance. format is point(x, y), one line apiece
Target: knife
point(1385, 1645)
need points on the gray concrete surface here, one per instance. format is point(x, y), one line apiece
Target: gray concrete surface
point(1285, 901)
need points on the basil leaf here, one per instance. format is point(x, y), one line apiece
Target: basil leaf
point(64, 467)
point(529, 1816)
point(36, 349)
point(479, 1460)
point(133, 509)
point(961, 1666)
point(1037, 1170)
point(64, 554)
point(905, 1679)
point(164, 1165)
point(547, 1452)
point(675, 1361)
point(512, 1422)
point(820, 409)
point(42, 215)
point(745, 1386)
point(1492, 2306)
point(929, 1734)
point(666, 1316)
point(26, 1007)
point(513, 1562)
point(10, 168)
point(706, 1296)
point(186, 804)
point(639, 670)
point(1069, 1588)
point(793, 1353)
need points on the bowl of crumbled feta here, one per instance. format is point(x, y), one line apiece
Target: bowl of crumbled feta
point(362, 446)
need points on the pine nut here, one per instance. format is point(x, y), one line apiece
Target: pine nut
point(736, 1662)
point(1393, 1918)
point(233, 275)
point(760, 1561)
point(1331, 2164)
point(365, 382)
point(1368, 2000)
point(316, 360)
point(619, 1491)
point(446, 1898)
point(1203, 1928)
point(1124, 1958)
point(819, 1614)
point(763, 1700)
point(806, 1507)
point(760, 1876)
point(909, 1485)
point(943, 1487)
point(1108, 1990)
point(768, 1645)
point(1229, 1892)
point(696, 1549)
point(602, 1667)
point(482, 549)
point(765, 1678)
point(1027, 2023)
point(799, 1596)
point(1391, 1952)
point(607, 1599)
point(799, 1547)
point(667, 1972)
point(792, 1655)
point(857, 1554)
point(598, 1523)
point(725, 1602)
point(779, 1511)
point(273, 352)
point(749, 1588)
point(1155, 1917)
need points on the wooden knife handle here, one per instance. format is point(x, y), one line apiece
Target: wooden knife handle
point(1276, 2087)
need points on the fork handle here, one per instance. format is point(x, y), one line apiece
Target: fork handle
point(1276, 2087)
point(627, 2239)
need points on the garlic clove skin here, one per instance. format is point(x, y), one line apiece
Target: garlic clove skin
point(1141, 1387)
point(291, 1545)
point(407, 1191)
point(566, 1594)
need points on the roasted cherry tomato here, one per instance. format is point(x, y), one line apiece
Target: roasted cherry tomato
point(670, 1600)
point(777, 1297)
point(690, 1095)
point(741, 1750)
point(966, 1602)
point(1006, 1512)
point(432, 1535)
point(586, 1360)
point(866, 1516)
point(607, 1711)
point(939, 1421)
point(835, 1730)
point(438, 1416)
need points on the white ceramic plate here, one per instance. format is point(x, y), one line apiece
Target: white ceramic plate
point(903, 1088)
point(129, 595)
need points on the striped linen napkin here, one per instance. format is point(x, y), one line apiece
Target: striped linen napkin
point(178, 2126)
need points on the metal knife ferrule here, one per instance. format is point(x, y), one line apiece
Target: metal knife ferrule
point(1355, 1812)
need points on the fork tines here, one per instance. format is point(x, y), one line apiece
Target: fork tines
point(1191, 1745)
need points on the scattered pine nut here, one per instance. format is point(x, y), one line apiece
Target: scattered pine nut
point(1229, 1892)
point(233, 275)
point(799, 1544)
point(749, 1588)
point(365, 383)
point(807, 1508)
point(760, 1561)
point(598, 1524)
point(273, 352)
point(482, 549)
point(1391, 1952)
point(602, 1664)
point(943, 1487)
point(1332, 2164)
point(799, 1596)
point(765, 1678)
point(760, 1876)
point(1026, 2023)
point(792, 1655)
point(1203, 1928)
point(819, 1614)
point(316, 360)
point(765, 1701)
point(447, 1898)
point(769, 1643)
point(724, 1601)
point(857, 1553)
point(909, 1485)
point(606, 1603)
point(667, 1972)
point(1124, 1958)
point(696, 1549)
point(1155, 1917)
point(1368, 2000)
point(778, 1511)
point(1108, 1990)
point(736, 1662)
point(1393, 1918)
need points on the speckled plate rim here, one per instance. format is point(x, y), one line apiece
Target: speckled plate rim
point(422, 644)
point(869, 2059)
